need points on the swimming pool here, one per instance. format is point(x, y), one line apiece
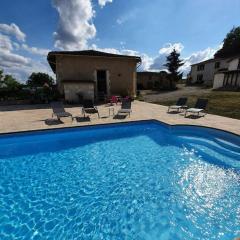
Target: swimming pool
point(143, 180)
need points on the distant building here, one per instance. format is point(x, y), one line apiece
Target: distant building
point(203, 72)
point(92, 74)
point(230, 77)
point(152, 80)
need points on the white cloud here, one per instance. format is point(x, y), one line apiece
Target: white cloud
point(146, 60)
point(35, 50)
point(197, 57)
point(102, 3)
point(16, 45)
point(7, 57)
point(127, 16)
point(159, 61)
point(201, 55)
point(129, 52)
point(74, 31)
point(108, 50)
point(75, 27)
point(116, 51)
point(18, 65)
point(13, 30)
point(168, 48)
point(22, 72)
point(5, 43)
point(120, 21)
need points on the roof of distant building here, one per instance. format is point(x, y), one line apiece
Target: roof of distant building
point(216, 60)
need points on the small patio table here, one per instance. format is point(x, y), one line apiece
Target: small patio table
point(111, 110)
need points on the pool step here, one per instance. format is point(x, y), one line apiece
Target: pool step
point(227, 145)
point(213, 146)
point(212, 156)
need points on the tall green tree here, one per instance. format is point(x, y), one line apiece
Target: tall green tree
point(1, 74)
point(8, 81)
point(1, 79)
point(231, 44)
point(173, 63)
point(39, 80)
point(11, 83)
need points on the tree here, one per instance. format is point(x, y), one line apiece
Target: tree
point(8, 81)
point(173, 64)
point(1, 75)
point(39, 80)
point(11, 83)
point(1, 78)
point(231, 44)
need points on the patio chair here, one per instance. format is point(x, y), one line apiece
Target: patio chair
point(180, 104)
point(88, 107)
point(113, 100)
point(59, 111)
point(199, 107)
point(125, 107)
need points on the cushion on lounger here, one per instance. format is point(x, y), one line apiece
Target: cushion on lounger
point(194, 110)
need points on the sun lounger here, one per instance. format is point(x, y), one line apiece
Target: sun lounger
point(125, 107)
point(199, 107)
point(59, 111)
point(88, 107)
point(180, 104)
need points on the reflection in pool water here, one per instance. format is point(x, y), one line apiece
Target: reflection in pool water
point(131, 181)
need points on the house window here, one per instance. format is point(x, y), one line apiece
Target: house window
point(239, 63)
point(200, 67)
point(199, 78)
point(217, 65)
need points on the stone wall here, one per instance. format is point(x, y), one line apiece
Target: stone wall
point(72, 91)
point(218, 80)
point(152, 80)
point(208, 71)
point(121, 73)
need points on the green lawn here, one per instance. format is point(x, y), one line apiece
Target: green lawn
point(220, 102)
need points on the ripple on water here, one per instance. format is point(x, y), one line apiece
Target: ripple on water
point(139, 187)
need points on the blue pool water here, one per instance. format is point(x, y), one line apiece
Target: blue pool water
point(131, 181)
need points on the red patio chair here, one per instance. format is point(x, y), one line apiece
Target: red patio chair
point(113, 100)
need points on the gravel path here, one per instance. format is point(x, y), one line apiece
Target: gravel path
point(183, 91)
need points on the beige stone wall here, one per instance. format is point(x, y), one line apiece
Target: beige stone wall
point(122, 72)
point(71, 91)
point(218, 80)
point(152, 80)
point(233, 65)
point(209, 70)
point(147, 80)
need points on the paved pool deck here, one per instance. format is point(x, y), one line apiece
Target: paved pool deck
point(37, 117)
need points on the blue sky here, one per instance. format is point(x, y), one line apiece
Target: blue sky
point(148, 28)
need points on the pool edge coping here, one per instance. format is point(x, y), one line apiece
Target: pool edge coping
point(115, 123)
